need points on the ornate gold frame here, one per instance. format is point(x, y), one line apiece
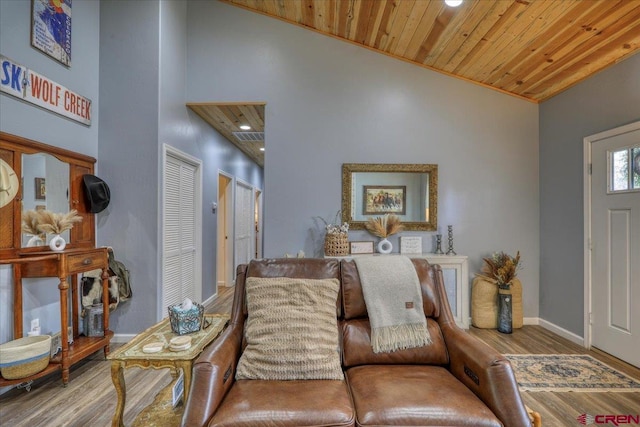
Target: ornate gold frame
point(349, 168)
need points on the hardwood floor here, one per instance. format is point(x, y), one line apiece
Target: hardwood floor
point(90, 398)
point(562, 409)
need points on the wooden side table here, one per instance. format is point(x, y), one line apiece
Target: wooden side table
point(62, 264)
point(131, 355)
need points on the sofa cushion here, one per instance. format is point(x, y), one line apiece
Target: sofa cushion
point(286, 403)
point(414, 395)
point(353, 305)
point(357, 350)
point(310, 268)
point(291, 330)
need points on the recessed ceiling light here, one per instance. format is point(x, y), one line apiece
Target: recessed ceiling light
point(245, 127)
point(261, 148)
point(453, 3)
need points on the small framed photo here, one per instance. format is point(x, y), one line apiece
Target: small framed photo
point(361, 247)
point(384, 199)
point(410, 244)
point(41, 189)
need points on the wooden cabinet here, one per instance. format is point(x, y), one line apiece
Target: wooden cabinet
point(83, 232)
point(80, 254)
point(12, 150)
point(455, 271)
point(63, 265)
point(8, 225)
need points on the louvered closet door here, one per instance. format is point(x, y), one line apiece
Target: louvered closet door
point(180, 248)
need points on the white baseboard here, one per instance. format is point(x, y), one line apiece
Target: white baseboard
point(531, 321)
point(562, 332)
point(211, 299)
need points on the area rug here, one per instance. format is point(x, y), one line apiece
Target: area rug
point(568, 372)
point(161, 412)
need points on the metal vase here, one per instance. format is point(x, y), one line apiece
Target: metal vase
point(505, 309)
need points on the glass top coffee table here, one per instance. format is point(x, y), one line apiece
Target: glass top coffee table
point(132, 355)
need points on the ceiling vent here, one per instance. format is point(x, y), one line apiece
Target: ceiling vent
point(249, 136)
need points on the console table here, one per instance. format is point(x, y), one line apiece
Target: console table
point(63, 264)
point(455, 271)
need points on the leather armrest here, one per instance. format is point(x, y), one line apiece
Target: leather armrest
point(213, 375)
point(488, 374)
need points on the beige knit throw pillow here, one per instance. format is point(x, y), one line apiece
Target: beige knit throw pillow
point(291, 330)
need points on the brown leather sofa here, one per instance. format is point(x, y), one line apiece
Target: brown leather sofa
point(456, 381)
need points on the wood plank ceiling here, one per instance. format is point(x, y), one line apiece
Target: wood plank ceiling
point(227, 118)
point(533, 49)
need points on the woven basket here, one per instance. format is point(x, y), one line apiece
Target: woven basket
point(484, 304)
point(25, 356)
point(336, 244)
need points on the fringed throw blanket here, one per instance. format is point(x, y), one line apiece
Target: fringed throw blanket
point(393, 297)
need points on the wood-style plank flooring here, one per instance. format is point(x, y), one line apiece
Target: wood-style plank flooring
point(90, 398)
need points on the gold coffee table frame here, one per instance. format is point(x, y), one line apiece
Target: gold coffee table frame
point(131, 355)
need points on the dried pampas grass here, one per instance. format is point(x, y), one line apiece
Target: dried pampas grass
point(30, 221)
point(501, 268)
point(56, 223)
point(384, 226)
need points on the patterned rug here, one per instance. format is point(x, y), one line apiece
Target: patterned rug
point(568, 372)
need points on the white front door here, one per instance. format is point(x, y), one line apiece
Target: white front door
point(615, 242)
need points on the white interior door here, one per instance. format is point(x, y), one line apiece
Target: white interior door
point(182, 222)
point(615, 243)
point(224, 261)
point(258, 223)
point(244, 223)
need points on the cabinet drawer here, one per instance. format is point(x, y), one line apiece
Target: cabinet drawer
point(85, 262)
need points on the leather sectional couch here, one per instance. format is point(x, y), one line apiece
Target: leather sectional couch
point(457, 380)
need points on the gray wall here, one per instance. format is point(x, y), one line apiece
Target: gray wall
point(143, 76)
point(329, 103)
point(134, 55)
point(605, 101)
point(128, 151)
point(19, 118)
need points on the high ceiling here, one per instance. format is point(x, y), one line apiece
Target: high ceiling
point(533, 49)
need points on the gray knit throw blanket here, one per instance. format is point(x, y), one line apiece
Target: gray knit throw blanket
point(393, 297)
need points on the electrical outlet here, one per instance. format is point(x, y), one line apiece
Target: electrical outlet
point(35, 324)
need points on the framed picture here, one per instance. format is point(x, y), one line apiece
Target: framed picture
point(411, 244)
point(51, 28)
point(41, 189)
point(361, 247)
point(384, 199)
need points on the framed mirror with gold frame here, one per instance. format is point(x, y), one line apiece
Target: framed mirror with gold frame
point(374, 189)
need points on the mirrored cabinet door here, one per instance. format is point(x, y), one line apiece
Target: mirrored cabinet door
point(49, 178)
